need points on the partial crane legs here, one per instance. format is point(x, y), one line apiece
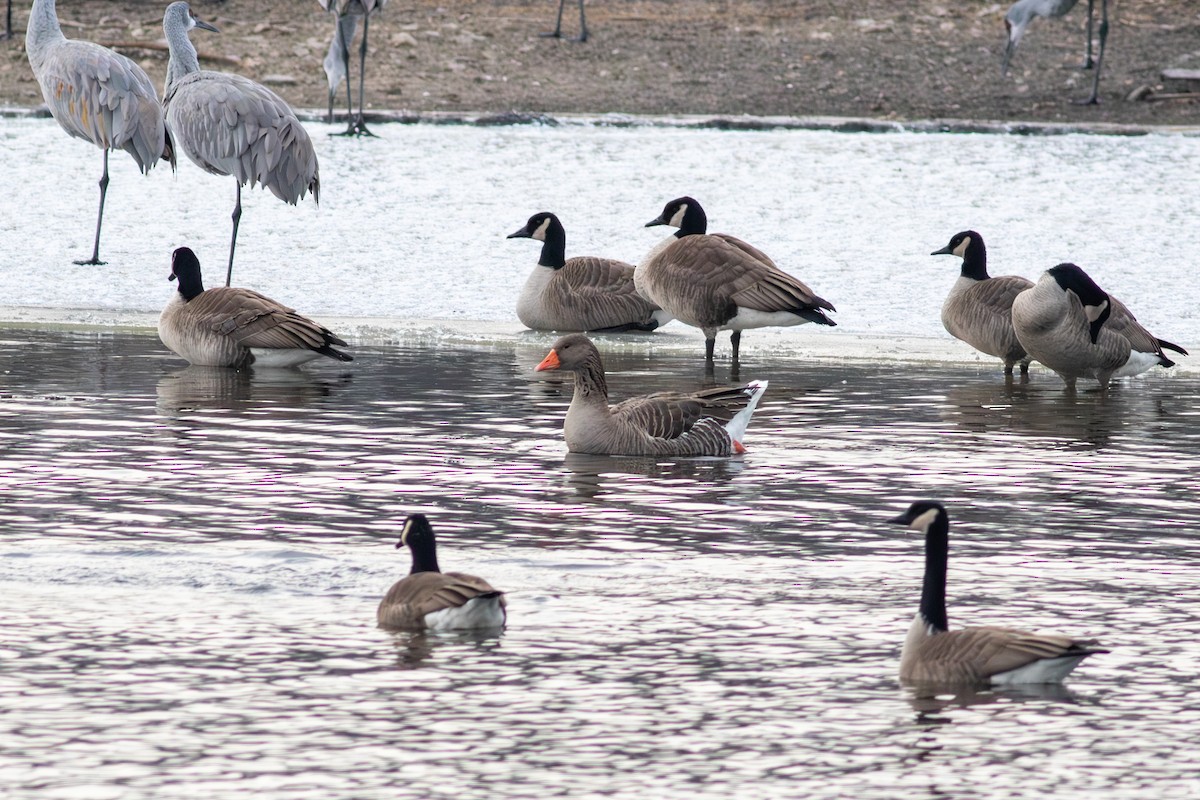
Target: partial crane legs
point(237, 217)
point(95, 259)
point(7, 23)
point(1094, 97)
point(557, 32)
point(357, 125)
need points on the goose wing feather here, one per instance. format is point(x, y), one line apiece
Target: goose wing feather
point(982, 315)
point(599, 292)
point(976, 654)
point(253, 320)
point(414, 596)
point(1122, 321)
point(669, 415)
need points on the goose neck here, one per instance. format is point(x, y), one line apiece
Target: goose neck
point(933, 592)
point(424, 556)
point(974, 265)
point(554, 251)
point(590, 383)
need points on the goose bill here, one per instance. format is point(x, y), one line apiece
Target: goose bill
point(549, 362)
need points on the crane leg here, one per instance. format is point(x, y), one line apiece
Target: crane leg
point(557, 32)
point(357, 125)
point(1088, 63)
point(95, 259)
point(1094, 97)
point(7, 23)
point(582, 25)
point(237, 217)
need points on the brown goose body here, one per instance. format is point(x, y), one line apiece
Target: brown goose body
point(584, 293)
point(718, 282)
point(1068, 323)
point(709, 422)
point(933, 654)
point(978, 309)
point(234, 327)
point(429, 599)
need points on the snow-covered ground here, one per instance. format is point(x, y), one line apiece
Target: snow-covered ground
point(412, 225)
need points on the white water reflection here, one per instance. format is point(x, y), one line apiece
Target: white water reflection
point(412, 225)
point(191, 563)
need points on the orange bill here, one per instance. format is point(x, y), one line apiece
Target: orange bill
point(549, 362)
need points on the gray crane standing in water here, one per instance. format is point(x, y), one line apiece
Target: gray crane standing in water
point(1023, 12)
point(230, 125)
point(353, 8)
point(97, 95)
point(557, 32)
point(335, 62)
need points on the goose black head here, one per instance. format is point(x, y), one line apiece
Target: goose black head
point(417, 536)
point(1096, 305)
point(921, 515)
point(538, 226)
point(186, 268)
point(967, 245)
point(545, 228)
point(683, 213)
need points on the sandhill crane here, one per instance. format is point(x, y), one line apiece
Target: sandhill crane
point(557, 32)
point(335, 62)
point(97, 95)
point(230, 125)
point(354, 8)
point(1023, 12)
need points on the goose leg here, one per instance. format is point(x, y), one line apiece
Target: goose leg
point(735, 339)
point(709, 343)
point(237, 217)
point(1094, 97)
point(95, 259)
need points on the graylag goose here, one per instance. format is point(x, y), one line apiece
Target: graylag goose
point(429, 599)
point(583, 293)
point(1071, 325)
point(978, 309)
point(934, 654)
point(709, 422)
point(229, 327)
point(717, 282)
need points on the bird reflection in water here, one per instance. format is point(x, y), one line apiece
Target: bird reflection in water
point(196, 388)
point(933, 704)
point(417, 649)
point(591, 475)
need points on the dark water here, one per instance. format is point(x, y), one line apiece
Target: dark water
point(192, 558)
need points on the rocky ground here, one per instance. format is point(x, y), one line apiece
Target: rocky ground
point(885, 59)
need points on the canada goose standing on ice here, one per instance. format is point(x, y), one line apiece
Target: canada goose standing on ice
point(935, 654)
point(429, 599)
point(95, 94)
point(230, 327)
point(1071, 325)
point(583, 293)
point(978, 309)
point(709, 422)
point(717, 282)
point(1023, 12)
point(230, 125)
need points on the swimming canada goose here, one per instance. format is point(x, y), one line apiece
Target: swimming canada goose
point(978, 309)
point(1071, 325)
point(717, 282)
point(709, 422)
point(429, 599)
point(582, 293)
point(231, 327)
point(935, 654)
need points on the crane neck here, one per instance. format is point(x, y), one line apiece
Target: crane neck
point(183, 60)
point(42, 30)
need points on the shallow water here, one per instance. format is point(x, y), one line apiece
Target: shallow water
point(192, 558)
point(412, 225)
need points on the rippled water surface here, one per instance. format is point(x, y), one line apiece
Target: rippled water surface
point(191, 561)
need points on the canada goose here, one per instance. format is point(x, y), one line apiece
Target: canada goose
point(429, 599)
point(580, 294)
point(978, 309)
point(710, 422)
point(1023, 12)
point(1071, 325)
point(716, 282)
point(935, 654)
point(230, 327)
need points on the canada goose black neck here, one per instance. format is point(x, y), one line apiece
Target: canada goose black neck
point(417, 535)
point(694, 222)
point(931, 516)
point(1095, 300)
point(554, 246)
point(185, 268)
